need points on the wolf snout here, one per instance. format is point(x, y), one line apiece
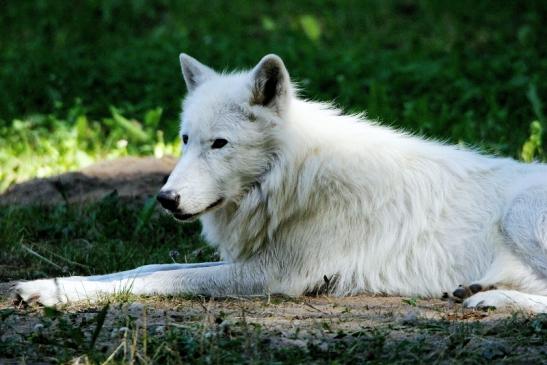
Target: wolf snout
point(169, 199)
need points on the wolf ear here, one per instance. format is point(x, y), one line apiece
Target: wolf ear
point(270, 83)
point(194, 72)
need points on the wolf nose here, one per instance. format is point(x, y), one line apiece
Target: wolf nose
point(169, 199)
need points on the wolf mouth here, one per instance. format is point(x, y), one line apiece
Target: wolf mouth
point(188, 217)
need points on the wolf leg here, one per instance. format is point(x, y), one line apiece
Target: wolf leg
point(507, 298)
point(523, 268)
point(212, 279)
point(146, 269)
point(73, 288)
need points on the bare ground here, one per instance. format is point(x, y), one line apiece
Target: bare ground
point(131, 177)
point(306, 323)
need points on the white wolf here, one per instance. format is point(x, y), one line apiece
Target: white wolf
point(297, 197)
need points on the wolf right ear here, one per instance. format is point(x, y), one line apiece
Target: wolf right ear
point(270, 83)
point(194, 72)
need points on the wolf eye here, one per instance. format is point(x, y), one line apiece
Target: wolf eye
point(219, 143)
point(184, 138)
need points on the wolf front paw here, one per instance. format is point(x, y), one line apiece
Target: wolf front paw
point(45, 291)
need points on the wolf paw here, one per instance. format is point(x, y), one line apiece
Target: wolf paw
point(463, 292)
point(488, 300)
point(45, 291)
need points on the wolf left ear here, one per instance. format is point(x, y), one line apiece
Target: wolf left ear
point(194, 72)
point(270, 83)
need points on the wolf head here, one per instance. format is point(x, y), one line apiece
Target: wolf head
point(228, 128)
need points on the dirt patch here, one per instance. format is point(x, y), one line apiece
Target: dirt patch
point(131, 177)
point(307, 325)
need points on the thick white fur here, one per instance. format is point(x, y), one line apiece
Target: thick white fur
point(309, 194)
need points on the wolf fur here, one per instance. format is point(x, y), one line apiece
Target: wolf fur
point(304, 198)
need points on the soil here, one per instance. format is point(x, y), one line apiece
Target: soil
point(131, 177)
point(295, 322)
point(312, 323)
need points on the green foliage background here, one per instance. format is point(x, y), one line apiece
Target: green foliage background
point(462, 71)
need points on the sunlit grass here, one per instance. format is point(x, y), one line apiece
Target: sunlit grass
point(43, 145)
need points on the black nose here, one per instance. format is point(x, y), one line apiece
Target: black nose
point(169, 199)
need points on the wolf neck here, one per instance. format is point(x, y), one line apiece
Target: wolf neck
point(317, 139)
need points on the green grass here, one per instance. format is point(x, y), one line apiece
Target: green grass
point(112, 234)
point(461, 71)
point(43, 145)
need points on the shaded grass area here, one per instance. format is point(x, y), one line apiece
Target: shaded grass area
point(105, 82)
point(465, 70)
point(110, 235)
